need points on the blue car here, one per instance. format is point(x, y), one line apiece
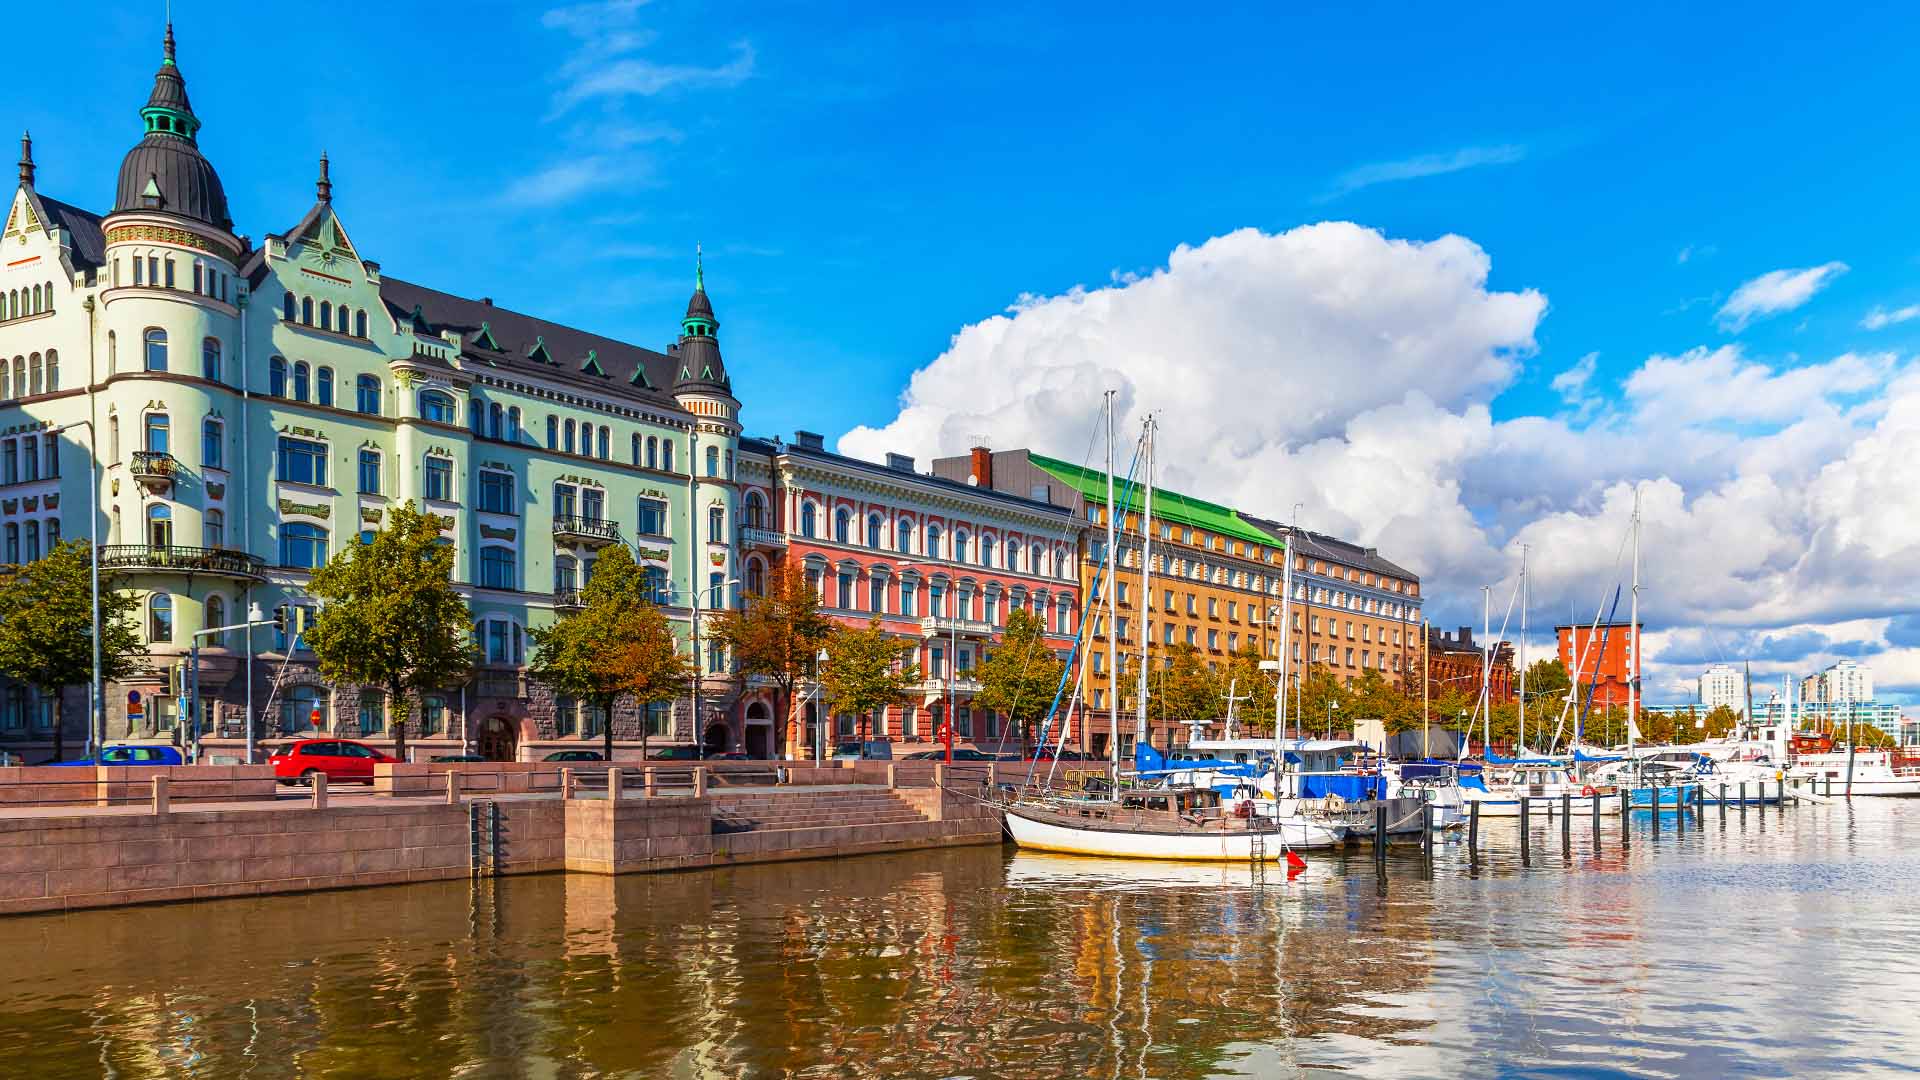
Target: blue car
point(142, 754)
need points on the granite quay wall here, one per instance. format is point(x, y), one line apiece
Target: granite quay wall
point(115, 785)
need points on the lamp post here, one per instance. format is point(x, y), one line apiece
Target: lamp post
point(96, 704)
point(699, 662)
point(821, 719)
point(193, 681)
point(1331, 706)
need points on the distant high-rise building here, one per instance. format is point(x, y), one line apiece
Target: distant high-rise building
point(1723, 684)
point(1844, 682)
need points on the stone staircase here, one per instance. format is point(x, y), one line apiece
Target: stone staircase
point(801, 809)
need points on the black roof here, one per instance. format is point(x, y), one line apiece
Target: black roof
point(82, 226)
point(774, 447)
point(1334, 549)
point(595, 363)
point(183, 177)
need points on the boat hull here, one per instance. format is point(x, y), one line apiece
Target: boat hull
point(1035, 831)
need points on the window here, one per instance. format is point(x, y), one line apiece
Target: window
point(156, 350)
point(907, 589)
point(494, 420)
point(807, 515)
point(877, 595)
point(277, 377)
point(211, 443)
point(216, 615)
point(372, 713)
point(653, 517)
point(845, 595)
point(302, 462)
point(323, 386)
point(369, 472)
point(986, 551)
point(496, 567)
point(160, 618)
point(33, 540)
point(873, 531)
point(605, 447)
point(496, 491)
point(713, 461)
point(566, 574)
point(716, 525)
point(437, 478)
point(360, 324)
point(563, 500)
point(213, 529)
point(210, 360)
point(756, 578)
point(960, 546)
point(553, 433)
point(326, 315)
point(653, 448)
point(366, 393)
point(666, 455)
point(513, 424)
point(30, 458)
point(903, 536)
point(659, 718)
point(304, 709)
point(933, 541)
point(568, 443)
point(502, 641)
point(437, 406)
point(159, 435)
point(303, 546)
point(13, 542)
point(840, 519)
point(302, 381)
point(716, 598)
point(658, 591)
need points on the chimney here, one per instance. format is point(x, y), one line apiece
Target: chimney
point(982, 467)
point(900, 463)
point(487, 300)
point(809, 440)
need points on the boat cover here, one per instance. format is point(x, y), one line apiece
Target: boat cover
point(1348, 786)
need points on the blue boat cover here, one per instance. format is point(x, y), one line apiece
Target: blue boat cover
point(1578, 756)
point(1473, 782)
point(1349, 787)
point(1150, 762)
point(1423, 772)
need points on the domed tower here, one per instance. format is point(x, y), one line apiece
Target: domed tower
point(704, 390)
point(170, 411)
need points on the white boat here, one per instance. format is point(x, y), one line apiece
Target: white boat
point(1171, 823)
point(1870, 773)
point(1546, 786)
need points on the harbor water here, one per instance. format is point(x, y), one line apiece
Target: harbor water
point(1774, 943)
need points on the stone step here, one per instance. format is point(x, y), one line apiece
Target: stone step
point(798, 821)
point(841, 812)
point(744, 806)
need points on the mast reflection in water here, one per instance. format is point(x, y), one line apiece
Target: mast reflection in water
point(1724, 950)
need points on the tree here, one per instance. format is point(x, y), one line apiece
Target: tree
point(776, 634)
point(1181, 690)
point(1547, 677)
point(617, 644)
point(1322, 699)
point(46, 630)
point(391, 617)
point(867, 671)
point(1244, 679)
point(1021, 677)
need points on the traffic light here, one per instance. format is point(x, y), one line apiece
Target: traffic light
point(280, 620)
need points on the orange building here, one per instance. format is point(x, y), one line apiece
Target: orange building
point(1605, 657)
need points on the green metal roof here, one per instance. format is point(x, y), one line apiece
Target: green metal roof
point(1167, 505)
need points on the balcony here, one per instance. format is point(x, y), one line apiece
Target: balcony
point(757, 535)
point(591, 532)
point(943, 626)
point(223, 562)
point(154, 469)
point(568, 600)
point(962, 685)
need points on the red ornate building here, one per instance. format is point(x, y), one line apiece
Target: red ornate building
point(942, 563)
point(1455, 662)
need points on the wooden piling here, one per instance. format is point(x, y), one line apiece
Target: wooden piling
point(1743, 800)
point(1473, 831)
point(1526, 841)
point(1596, 823)
point(1380, 833)
point(1723, 802)
point(1566, 822)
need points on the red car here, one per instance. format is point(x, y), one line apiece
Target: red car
point(338, 759)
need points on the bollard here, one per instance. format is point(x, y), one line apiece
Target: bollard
point(939, 778)
point(566, 784)
point(1566, 822)
point(700, 783)
point(1526, 841)
point(1473, 831)
point(1626, 834)
point(1679, 808)
point(1654, 792)
point(1782, 801)
point(1380, 833)
point(1743, 800)
point(319, 791)
point(1426, 830)
point(892, 780)
point(650, 785)
point(1596, 822)
point(160, 796)
point(1723, 802)
point(1700, 806)
point(614, 784)
point(453, 787)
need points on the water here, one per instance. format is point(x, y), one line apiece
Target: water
point(1777, 947)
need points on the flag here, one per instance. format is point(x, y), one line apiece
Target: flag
point(1294, 862)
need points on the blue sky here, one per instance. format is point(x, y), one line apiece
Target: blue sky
point(869, 181)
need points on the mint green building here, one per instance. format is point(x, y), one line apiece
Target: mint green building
point(252, 408)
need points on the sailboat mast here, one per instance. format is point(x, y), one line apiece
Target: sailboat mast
point(1146, 587)
point(1113, 649)
point(1286, 634)
point(1486, 665)
point(1633, 634)
point(1523, 647)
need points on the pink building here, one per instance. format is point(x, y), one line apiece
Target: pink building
point(942, 564)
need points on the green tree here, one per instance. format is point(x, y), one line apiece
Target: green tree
point(867, 671)
point(46, 628)
point(776, 635)
point(1324, 700)
point(1020, 677)
point(1180, 689)
point(391, 617)
point(1547, 677)
point(1244, 679)
point(617, 644)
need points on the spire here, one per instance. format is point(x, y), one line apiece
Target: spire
point(168, 112)
point(26, 159)
point(167, 49)
point(699, 273)
point(323, 188)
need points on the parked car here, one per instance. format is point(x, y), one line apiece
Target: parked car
point(458, 757)
point(960, 753)
point(337, 759)
point(676, 753)
point(132, 754)
point(871, 750)
point(574, 755)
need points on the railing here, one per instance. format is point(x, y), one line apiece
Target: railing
point(192, 560)
point(593, 530)
point(942, 624)
point(754, 534)
point(569, 598)
point(154, 463)
point(961, 685)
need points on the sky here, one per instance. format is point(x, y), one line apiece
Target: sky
point(1454, 280)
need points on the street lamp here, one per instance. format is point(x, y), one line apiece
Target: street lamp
point(821, 718)
point(1331, 705)
point(96, 704)
point(699, 662)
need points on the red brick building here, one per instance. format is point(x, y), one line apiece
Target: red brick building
point(1606, 657)
point(1456, 662)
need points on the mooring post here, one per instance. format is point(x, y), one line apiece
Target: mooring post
point(1596, 822)
point(1743, 800)
point(1426, 830)
point(1626, 834)
point(1723, 802)
point(1473, 831)
point(1653, 794)
point(1566, 822)
point(1526, 840)
point(1380, 833)
point(1680, 809)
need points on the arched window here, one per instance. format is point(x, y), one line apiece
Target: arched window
point(366, 394)
point(553, 433)
point(666, 455)
point(159, 433)
point(713, 461)
point(303, 546)
point(277, 376)
point(359, 324)
point(33, 379)
point(756, 511)
point(477, 416)
point(210, 359)
point(302, 381)
point(933, 541)
point(113, 351)
point(960, 545)
point(653, 452)
point(873, 531)
point(53, 371)
point(326, 315)
point(160, 525)
point(306, 310)
point(986, 550)
point(213, 529)
point(606, 447)
point(636, 448)
point(840, 518)
point(156, 350)
point(345, 326)
point(323, 386)
point(6, 370)
point(496, 416)
point(19, 376)
point(568, 443)
point(216, 615)
point(437, 405)
point(756, 578)
point(286, 307)
point(513, 423)
point(807, 524)
point(903, 536)
point(211, 444)
point(496, 567)
point(33, 305)
point(160, 618)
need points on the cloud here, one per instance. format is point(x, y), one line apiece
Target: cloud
point(634, 76)
point(1774, 292)
point(1414, 168)
point(1694, 251)
point(1571, 385)
point(1880, 318)
point(1356, 373)
point(562, 182)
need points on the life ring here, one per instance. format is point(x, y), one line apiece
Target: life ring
point(1334, 801)
point(1588, 792)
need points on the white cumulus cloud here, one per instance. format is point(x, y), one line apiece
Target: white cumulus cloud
point(1880, 318)
point(1774, 292)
